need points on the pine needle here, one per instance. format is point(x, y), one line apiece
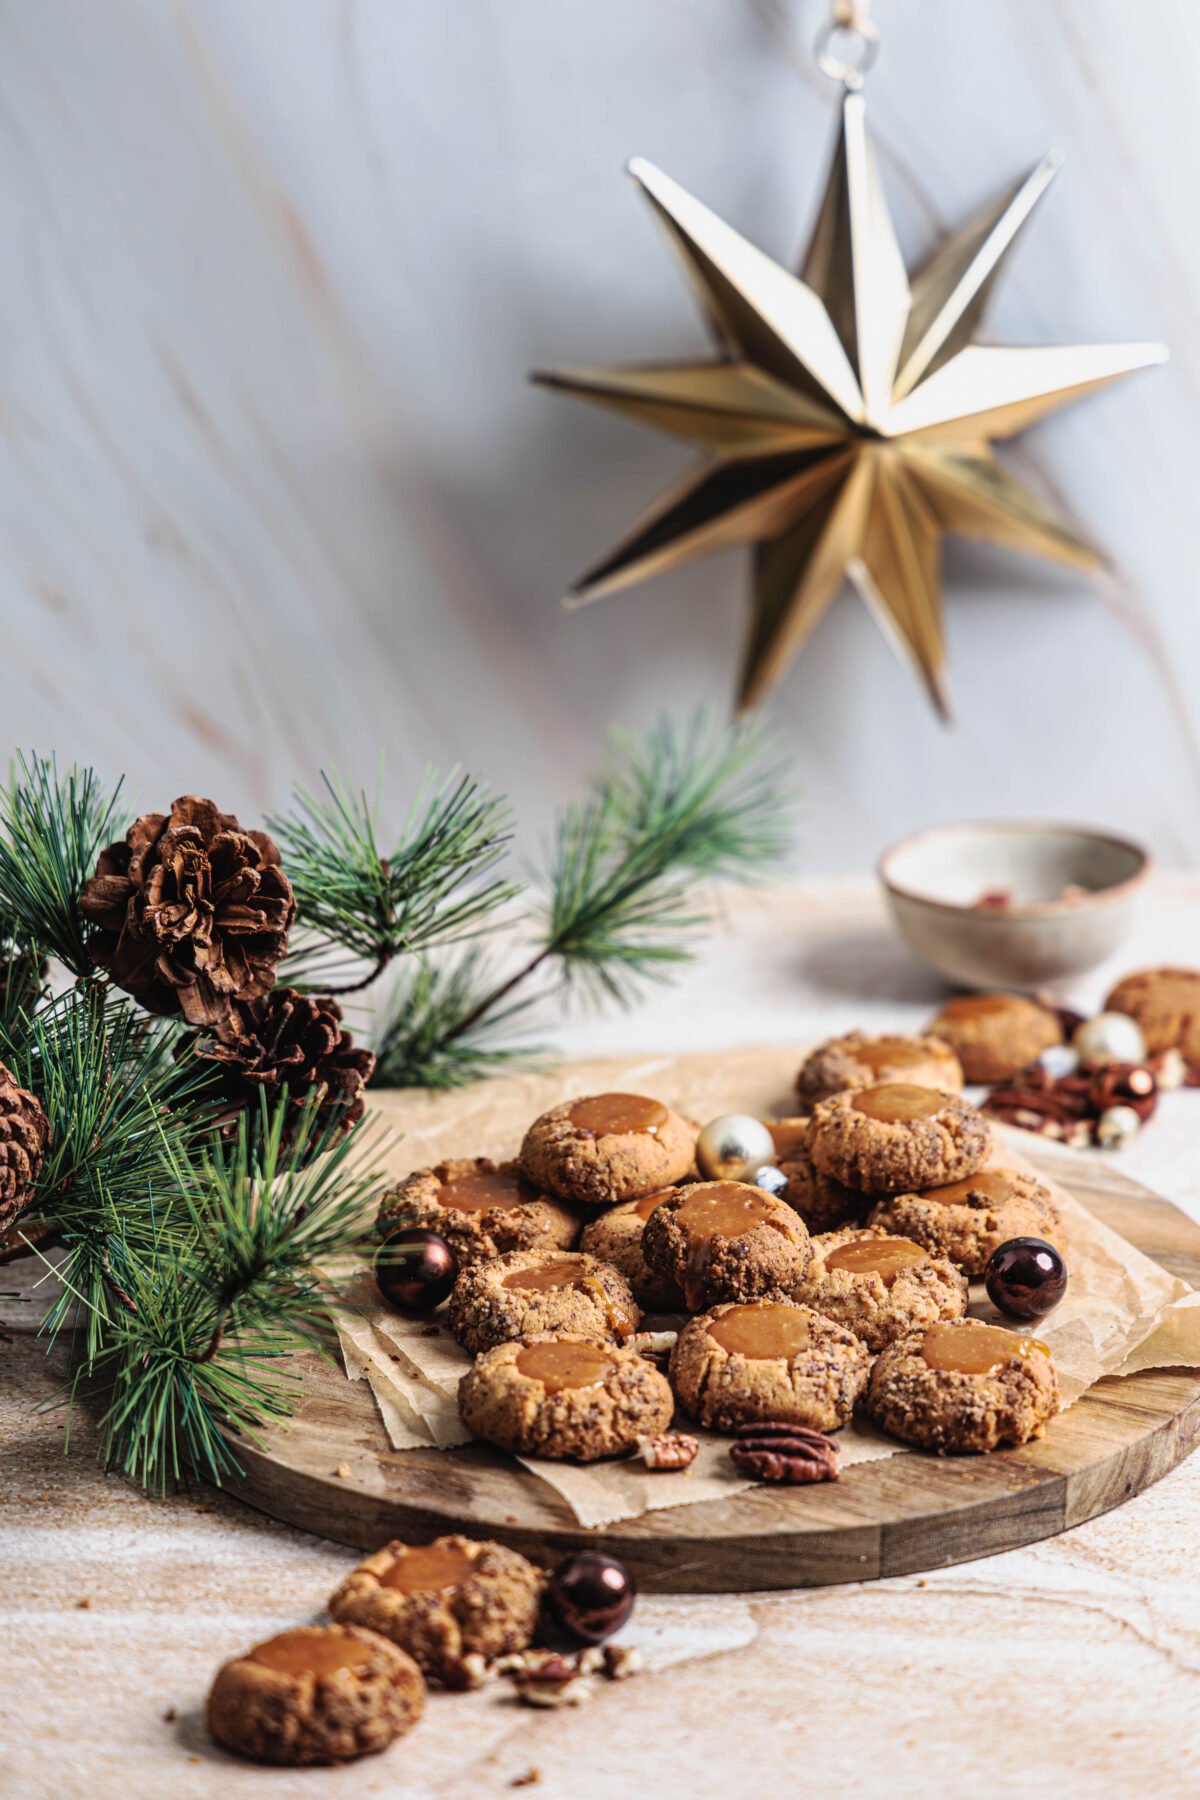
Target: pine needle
point(53, 828)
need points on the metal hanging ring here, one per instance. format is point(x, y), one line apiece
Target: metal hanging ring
point(847, 52)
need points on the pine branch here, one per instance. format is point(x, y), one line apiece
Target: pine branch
point(429, 888)
point(423, 1037)
point(227, 1288)
point(53, 828)
point(666, 814)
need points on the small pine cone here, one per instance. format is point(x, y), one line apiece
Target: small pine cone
point(24, 1136)
point(192, 911)
point(291, 1043)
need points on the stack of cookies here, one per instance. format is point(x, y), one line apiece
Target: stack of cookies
point(848, 1287)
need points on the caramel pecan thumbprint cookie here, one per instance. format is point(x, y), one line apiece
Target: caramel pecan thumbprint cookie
point(319, 1694)
point(995, 1035)
point(747, 1362)
point(615, 1236)
point(481, 1208)
point(963, 1386)
point(725, 1240)
point(567, 1398)
point(514, 1296)
point(896, 1138)
point(858, 1061)
point(444, 1601)
point(971, 1218)
point(608, 1148)
point(880, 1287)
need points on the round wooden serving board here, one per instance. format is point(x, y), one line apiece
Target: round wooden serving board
point(906, 1513)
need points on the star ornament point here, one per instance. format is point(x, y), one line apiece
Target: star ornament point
point(848, 416)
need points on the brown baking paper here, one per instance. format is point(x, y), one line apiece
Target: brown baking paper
point(1122, 1312)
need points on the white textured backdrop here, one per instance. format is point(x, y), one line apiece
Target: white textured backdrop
point(276, 494)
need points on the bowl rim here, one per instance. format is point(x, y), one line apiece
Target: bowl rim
point(1031, 909)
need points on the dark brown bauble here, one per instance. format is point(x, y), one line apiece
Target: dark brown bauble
point(1124, 1084)
point(415, 1269)
point(591, 1596)
point(1025, 1277)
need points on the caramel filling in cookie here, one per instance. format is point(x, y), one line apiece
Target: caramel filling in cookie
point(975, 1006)
point(301, 1653)
point(425, 1568)
point(558, 1365)
point(994, 1184)
point(761, 1332)
point(617, 1115)
point(720, 1209)
point(650, 1202)
point(882, 1053)
point(971, 1350)
point(898, 1102)
point(547, 1275)
point(480, 1191)
point(882, 1256)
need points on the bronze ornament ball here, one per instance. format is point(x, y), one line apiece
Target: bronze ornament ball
point(1025, 1278)
point(415, 1269)
point(591, 1596)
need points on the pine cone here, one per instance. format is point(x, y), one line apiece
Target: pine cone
point(193, 911)
point(24, 1135)
point(292, 1043)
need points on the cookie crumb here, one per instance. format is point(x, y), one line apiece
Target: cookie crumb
point(83, 1606)
point(170, 1716)
point(342, 1471)
point(530, 1778)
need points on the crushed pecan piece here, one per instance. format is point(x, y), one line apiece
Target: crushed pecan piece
point(621, 1661)
point(777, 1451)
point(669, 1450)
point(550, 1680)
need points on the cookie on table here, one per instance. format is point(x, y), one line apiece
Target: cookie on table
point(615, 1236)
point(1166, 1004)
point(822, 1203)
point(897, 1138)
point(444, 1601)
point(725, 1240)
point(747, 1362)
point(881, 1287)
point(481, 1208)
point(529, 1291)
point(607, 1148)
point(565, 1397)
point(963, 1386)
point(861, 1060)
point(995, 1036)
point(319, 1694)
point(969, 1219)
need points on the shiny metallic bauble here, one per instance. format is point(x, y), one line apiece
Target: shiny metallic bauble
point(771, 1180)
point(732, 1147)
point(1110, 1038)
point(1059, 1060)
point(1117, 1125)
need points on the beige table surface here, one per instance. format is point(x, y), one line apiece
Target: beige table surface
point(1071, 1668)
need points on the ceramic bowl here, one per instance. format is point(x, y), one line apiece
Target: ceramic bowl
point(1068, 899)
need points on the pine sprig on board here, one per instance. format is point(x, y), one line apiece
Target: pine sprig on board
point(225, 1284)
point(625, 894)
point(429, 888)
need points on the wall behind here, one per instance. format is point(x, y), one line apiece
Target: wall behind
point(276, 494)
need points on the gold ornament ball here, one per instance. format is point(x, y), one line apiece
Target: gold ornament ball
point(733, 1147)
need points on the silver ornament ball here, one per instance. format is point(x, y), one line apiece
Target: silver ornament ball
point(732, 1147)
point(1117, 1125)
point(1059, 1060)
point(1108, 1038)
point(771, 1180)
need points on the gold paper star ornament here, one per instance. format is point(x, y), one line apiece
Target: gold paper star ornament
point(849, 419)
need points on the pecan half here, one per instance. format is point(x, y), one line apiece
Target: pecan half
point(669, 1450)
point(777, 1451)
